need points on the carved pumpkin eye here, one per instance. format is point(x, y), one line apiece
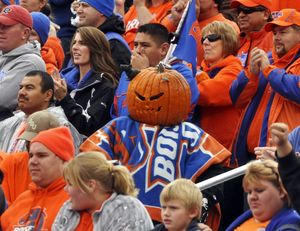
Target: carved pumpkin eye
point(142, 98)
point(156, 96)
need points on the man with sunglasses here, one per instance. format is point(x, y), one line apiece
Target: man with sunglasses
point(252, 17)
point(271, 91)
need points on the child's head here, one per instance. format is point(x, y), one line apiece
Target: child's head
point(181, 202)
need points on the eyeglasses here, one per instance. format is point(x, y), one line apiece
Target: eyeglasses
point(250, 10)
point(211, 38)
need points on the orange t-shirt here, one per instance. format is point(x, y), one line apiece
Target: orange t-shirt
point(132, 23)
point(252, 224)
point(86, 222)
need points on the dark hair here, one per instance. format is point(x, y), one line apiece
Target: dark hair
point(100, 54)
point(158, 32)
point(47, 82)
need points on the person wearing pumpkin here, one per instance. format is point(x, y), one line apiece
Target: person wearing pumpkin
point(151, 45)
point(155, 143)
point(85, 91)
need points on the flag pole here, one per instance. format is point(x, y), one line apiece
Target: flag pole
point(223, 177)
point(174, 40)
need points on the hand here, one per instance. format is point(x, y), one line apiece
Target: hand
point(255, 61)
point(177, 10)
point(204, 227)
point(279, 133)
point(264, 61)
point(139, 60)
point(264, 153)
point(60, 86)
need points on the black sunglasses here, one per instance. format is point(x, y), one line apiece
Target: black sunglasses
point(250, 10)
point(211, 38)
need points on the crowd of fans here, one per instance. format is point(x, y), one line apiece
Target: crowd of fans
point(103, 128)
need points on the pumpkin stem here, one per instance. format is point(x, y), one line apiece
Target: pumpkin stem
point(161, 67)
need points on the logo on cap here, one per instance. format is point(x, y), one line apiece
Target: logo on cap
point(6, 10)
point(32, 124)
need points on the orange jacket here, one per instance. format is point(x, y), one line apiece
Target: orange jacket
point(260, 39)
point(218, 116)
point(36, 207)
point(16, 175)
point(167, 22)
point(53, 54)
point(132, 23)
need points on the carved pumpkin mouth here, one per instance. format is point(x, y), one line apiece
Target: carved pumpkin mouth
point(152, 109)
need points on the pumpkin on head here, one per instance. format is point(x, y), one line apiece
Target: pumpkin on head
point(159, 96)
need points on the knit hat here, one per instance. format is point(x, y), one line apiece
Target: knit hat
point(14, 14)
point(41, 24)
point(57, 140)
point(105, 7)
point(285, 17)
point(251, 3)
point(6, 2)
point(37, 122)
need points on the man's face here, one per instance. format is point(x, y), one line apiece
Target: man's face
point(44, 166)
point(89, 16)
point(30, 96)
point(33, 5)
point(144, 44)
point(285, 38)
point(250, 22)
point(12, 37)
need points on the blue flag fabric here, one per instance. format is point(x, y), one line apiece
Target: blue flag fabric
point(186, 49)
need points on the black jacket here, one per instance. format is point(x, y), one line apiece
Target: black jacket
point(192, 227)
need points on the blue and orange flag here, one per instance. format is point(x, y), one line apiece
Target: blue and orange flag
point(186, 48)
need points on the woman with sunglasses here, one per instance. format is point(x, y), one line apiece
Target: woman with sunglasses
point(102, 197)
point(268, 201)
point(219, 69)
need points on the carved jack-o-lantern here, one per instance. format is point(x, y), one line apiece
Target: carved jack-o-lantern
point(158, 96)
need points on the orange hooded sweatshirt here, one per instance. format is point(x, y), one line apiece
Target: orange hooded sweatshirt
point(218, 116)
point(132, 23)
point(53, 54)
point(36, 207)
point(16, 175)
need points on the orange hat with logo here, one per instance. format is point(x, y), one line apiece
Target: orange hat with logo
point(14, 14)
point(285, 17)
point(251, 3)
point(57, 140)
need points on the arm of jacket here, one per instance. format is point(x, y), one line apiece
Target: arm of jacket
point(9, 83)
point(54, 44)
point(244, 88)
point(119, 52)
point(95, 116)
point(287, 85)
point(289, 170)
point(215, 91)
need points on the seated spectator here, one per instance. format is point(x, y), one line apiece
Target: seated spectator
point(86, 91)
point(102, 197)
point(15, 166)
point(181, 203)
point(268, 201)
point(151, 46)
point(35, 94)
point(155, 143)
point(220, 67)
point(51, 50)
point(36, 208)
point(143, 12)
point(18, 56)
point(289, 164)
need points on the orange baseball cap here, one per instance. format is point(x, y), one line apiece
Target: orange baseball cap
point(251, 3)
point(285, 17)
